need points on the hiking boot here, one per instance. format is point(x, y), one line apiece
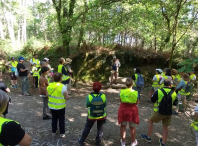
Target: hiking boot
point(146, 137)
point(62, 135)
point(122, 143)
point(160, 141)
point(175, 113)
point(47, 117)
point(134, 143)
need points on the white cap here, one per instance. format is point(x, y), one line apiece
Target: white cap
point(134, 68)
point(46, 59)
point(159, 70)
point(196, 109)
point(114, 56)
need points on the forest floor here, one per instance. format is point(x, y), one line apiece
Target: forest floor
point(28, 112)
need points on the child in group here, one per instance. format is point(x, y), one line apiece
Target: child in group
point(156, 80)
point(195, 123)
point(128, 112)
point(43, 83)
point(35, 75)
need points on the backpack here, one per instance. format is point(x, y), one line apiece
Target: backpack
point(97, 105)
point(165, 106)
point(140, 81)
point(188, 87)
point(16, 73)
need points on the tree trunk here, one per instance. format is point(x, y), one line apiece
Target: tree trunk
point(1, 30)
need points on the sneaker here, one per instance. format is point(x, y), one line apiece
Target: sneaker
point(26, 94)
point(13, 86)
point(134, 143)
point(146, 137)
point(160, 141)
point(16, 86)
point(175, 113)
point(62, 135)
point(47, 117)
point(122, 143)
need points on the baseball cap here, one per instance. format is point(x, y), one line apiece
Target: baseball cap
point(158, 69)
point(12, 58)
point(45, 59)
point(21, 58)
point(97, 86)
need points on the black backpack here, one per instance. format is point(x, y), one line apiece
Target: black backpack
point(165, 106)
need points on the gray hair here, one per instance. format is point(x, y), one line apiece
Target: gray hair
point(42, 63)
point(4, 98)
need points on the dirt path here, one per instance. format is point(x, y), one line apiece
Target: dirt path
point(28, 112)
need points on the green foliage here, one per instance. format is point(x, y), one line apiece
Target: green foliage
point(188, 65)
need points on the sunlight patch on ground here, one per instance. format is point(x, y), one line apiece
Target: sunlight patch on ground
point(71, 119)
point(83, 114)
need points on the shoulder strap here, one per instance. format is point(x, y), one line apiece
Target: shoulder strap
point(55, 89)
point(164, 92)
point(99, 94)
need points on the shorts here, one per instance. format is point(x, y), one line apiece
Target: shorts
point(131, 124)
point(156, 117)
point(113, 71)
point(12, 76)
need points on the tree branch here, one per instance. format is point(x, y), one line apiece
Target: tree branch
point(187, 27)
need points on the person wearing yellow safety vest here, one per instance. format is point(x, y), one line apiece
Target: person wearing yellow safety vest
point(36, 61)
point(168, 75)
point(156, 80)
point(192, 77)
point(35, 75)
point(135, 77)
point(12, 68)
point(128, 112)
point(182, 93)
point(195, 123)
point(11, 132)
point(57, 95)
point(96, 103)
point(62, 69)
point(174, 77)
point(156, 116)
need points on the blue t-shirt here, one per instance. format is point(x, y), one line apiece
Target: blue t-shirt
point(181, 84)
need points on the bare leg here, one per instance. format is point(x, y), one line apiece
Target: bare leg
point(123, 132)
point(115, 74)
point(151, 93)
point(133, 133)
point(150, 128)
point(15, 82)
point(12, 82)
point(165, 134)
point(33, 82)
point(111, 78)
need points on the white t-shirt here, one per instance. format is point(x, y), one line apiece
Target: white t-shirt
point(33, 62)
point(154, 78)
point(64, 89)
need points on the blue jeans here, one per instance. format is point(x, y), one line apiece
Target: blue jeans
point(87, 129)
point(58, 115)
point(25, 84)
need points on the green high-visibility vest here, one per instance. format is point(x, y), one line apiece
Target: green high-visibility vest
point(65, 77)
point(161, 95)
point(14, 64)
point(2, 122)
point(182, 91)
point(56, 99)
point(156, 83)
point(134, 84)
point(36, 61)
point(128, 95)
point(195, 125)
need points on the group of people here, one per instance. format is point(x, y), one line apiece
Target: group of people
point(167, 87)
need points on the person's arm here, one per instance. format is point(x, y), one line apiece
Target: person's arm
point(154, 78)
point(26, 141)
point(88, 104)
point(180, 85)
point(31, 63)
point(138, 101)
point(162, 81)
point(7, 90)
point(154, 98)
point(66, 94)
point(8, 64)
